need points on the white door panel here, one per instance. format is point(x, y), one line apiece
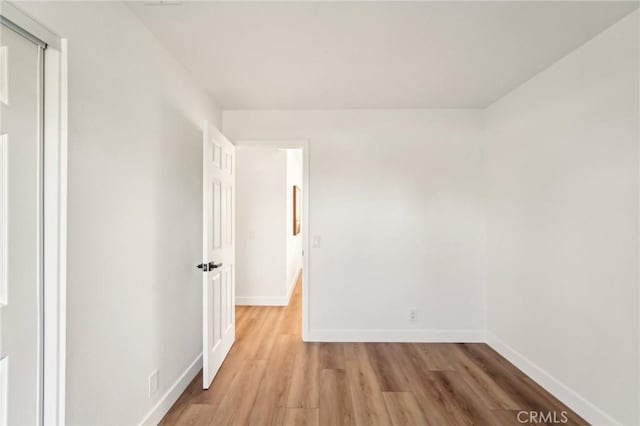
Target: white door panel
point(21, 229)
point(218, 251)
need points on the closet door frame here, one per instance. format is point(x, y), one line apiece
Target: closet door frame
point(55, 129)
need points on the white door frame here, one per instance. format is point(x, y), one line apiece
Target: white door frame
point(306, 277)
point(54, 273)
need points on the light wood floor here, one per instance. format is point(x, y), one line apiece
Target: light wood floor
point(271, 377)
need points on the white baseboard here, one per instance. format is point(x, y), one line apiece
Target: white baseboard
point(269, 300)
point(564, 393)
point(408, 335)
point(261, 301)
point(167, 400)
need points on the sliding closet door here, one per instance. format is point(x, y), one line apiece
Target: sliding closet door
point(20, 228)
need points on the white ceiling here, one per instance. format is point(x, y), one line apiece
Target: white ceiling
point(328, 55)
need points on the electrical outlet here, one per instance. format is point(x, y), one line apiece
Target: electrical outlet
point(413, 314)
point(154, 382)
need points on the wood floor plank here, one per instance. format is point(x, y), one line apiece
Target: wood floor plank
point(388, 367)
point(462, 405)
point(302, 417)
point(243, 329)
point(436, 356)
point(492, 395)
point(366, 396)
point(262, 342)
point(236, 406)
point(404, 409)
point(368, 404)
point(332, 356)
point(353, 350)
point(505, 377)
point(417, 360)
point(254, 336)
point(336, 408)
point(273, 392)
point(197, 415)
point(243, 314)
point(411, 367)
point(305, 382)
point(278, 417)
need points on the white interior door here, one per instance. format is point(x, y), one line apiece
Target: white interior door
point(21, 66)
point(218, 282)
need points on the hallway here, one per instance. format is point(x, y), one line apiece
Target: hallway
point(271, 377)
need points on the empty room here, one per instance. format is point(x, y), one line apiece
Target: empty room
point(319, 213)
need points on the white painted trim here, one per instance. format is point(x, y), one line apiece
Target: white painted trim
point(572, 399)
point(306, 282)
point(167, 400)
point(401, 335)
point(62, 260)
point(292, 285)
point(4, 219)
point(4, 385)
point(55, 232)
point(4, 80)
point(261, 301)
point(306, 236)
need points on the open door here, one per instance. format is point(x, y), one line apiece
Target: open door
point(218, 267)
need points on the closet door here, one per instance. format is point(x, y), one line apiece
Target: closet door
point(21, 67)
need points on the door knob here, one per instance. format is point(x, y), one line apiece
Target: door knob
point(209, 266)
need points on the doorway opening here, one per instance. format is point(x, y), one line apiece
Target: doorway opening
point(271, 225)
point(266, 330)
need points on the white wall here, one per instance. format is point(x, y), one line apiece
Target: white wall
point(563, 215)
point(268, 255)
point(396, 198)
point(261, 246)
point(294, 242)
point(135, 178)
